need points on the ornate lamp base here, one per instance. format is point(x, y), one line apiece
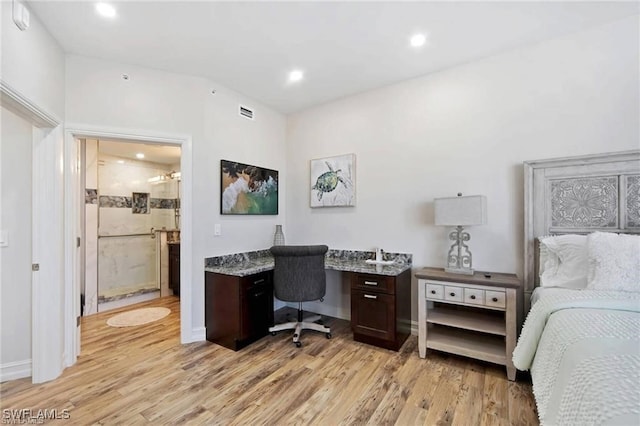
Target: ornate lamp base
point(462, 271)
point(459, 256)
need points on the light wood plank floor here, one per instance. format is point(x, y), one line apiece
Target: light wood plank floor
point(143, 375)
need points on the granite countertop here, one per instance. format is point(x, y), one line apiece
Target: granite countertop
point(249, 263)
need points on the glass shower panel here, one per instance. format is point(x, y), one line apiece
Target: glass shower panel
point(127, 266)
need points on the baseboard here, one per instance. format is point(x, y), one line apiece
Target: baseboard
point(322, 309)
point(15, 370)
point(414, 328)
point(198, 334)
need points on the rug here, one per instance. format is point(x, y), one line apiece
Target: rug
point(138, 317)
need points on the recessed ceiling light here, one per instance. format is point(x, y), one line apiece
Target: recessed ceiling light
point(296, 75)
point(418, 40)
point(106, 10)
point(140, 155)
point(120, 161)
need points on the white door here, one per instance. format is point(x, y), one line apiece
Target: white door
point(45, 267)
point(15, 246)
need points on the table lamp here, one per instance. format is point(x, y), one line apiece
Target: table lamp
point(460, 212)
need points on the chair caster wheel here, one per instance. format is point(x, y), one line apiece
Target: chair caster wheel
point(273, 333)
point(298, 344)
point(328, 335)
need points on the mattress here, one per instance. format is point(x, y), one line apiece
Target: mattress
point(583, 351)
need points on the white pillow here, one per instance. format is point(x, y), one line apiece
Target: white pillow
point(566, 261)
point(614, 261)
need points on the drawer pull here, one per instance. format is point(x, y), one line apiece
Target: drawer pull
point(452, 294)
point(472, 297)
point(370, 296)
point(495, 299)
point(259, 281)
point(433, 292)
point(371, 283)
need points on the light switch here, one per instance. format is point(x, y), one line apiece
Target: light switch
point(4, 238)
point(217, 230)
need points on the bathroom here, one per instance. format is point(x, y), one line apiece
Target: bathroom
point(131, 222)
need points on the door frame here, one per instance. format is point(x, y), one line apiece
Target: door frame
point(55, 332)
point(74, 202)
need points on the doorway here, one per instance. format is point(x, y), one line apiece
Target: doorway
point(75, 203)
point(131, 220)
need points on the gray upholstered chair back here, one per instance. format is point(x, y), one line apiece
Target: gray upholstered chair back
point(299, 274)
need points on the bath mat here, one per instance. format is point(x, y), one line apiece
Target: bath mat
point(138, 317)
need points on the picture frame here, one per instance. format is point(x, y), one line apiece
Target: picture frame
point(333, 181)
point(247, 190)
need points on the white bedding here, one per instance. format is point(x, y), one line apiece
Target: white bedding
point(583, 350)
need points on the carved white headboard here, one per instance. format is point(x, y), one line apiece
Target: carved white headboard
point(578, 195)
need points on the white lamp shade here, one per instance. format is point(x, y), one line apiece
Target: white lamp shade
point(461, 211)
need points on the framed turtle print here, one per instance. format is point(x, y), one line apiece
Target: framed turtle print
point(333, 181)
point(247, 189)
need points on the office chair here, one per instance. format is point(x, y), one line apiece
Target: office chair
point(299, 276)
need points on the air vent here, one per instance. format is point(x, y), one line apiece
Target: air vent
point(246, 112)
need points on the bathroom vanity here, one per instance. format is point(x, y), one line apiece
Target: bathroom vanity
point(174, 267)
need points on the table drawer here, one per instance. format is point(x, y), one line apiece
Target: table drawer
point(368, 282)
point(435, 291)
point(453, 294)
point(474, 296)
point(495, 299)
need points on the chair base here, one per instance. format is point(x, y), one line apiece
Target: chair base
point(298, 326)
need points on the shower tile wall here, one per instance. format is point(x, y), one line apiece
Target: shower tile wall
point(126, 264)
point(91, 228)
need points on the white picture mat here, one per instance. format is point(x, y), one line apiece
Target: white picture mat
point(333, 181)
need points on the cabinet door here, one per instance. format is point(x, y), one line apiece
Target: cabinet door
point(373, 314)
point(174, 270)
point(257, 306)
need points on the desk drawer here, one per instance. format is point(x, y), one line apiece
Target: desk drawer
point(370, 282)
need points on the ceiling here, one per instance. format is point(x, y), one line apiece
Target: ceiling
point(343, 47)
point(154, 153)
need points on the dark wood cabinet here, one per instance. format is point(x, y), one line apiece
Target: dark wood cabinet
point(381, 309)
point(238, 310)
point(174, 268)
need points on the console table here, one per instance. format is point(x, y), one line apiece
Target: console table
point(239, 292)
point(468, 315)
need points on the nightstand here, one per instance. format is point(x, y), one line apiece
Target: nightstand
point(469, 315)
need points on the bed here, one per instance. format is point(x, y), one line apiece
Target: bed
point(581, 337)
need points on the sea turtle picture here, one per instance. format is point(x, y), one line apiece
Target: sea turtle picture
point(328, 181)
point(333, 181)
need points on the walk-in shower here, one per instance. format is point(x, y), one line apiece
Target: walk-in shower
point(130, 212)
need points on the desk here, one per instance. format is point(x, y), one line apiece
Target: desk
point(239, 286)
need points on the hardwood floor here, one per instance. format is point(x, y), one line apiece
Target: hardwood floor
point(143, 375)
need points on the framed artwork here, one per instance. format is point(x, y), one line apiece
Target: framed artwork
point(246, 189)
point(333, 181)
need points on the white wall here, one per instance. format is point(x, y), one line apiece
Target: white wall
point(259, 143)
point(32, 63)
point(15, 260)
point(32, 67)
point(161, 103)
point(467, 129)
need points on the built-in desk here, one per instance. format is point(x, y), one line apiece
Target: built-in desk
point(239, 297)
